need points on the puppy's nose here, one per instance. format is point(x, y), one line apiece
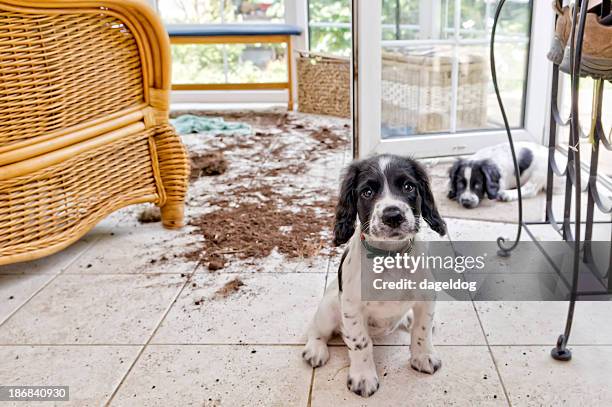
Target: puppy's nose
point(392, 216)
point(467, 203)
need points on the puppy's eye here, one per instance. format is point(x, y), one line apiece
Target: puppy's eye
point(461, 184)
point(407, 187)
point(477, 186)
point(367, 193)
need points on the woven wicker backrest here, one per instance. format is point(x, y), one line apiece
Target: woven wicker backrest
point(61, 70)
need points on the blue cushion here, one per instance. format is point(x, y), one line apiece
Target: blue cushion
point(220, 30)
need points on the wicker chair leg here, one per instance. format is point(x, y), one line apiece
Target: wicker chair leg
point(174, 173)
point(172, 215)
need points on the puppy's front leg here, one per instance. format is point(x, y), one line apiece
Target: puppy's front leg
point(529, 190)
point(362, 377)
point(423, 356)
point(323, 325)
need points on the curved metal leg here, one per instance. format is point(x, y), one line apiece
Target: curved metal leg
point(560, 351)
point(504, 251)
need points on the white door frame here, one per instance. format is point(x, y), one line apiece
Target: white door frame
point(367, 92)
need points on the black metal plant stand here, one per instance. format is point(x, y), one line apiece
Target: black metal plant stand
point(581, 243)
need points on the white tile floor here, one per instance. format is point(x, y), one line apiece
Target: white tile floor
point(122, 321)
point(119, 329)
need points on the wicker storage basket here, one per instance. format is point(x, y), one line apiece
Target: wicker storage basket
point(324, 84)
point(416, 92)
point(84, 130)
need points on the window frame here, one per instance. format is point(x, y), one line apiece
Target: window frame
point(537, 93)
point(539, 74)
point(296, 13)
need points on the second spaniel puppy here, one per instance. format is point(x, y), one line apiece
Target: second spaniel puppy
point(382, 201)
point(490, 173)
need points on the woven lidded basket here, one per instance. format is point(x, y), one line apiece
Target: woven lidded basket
point(417, 92)
point(324, 84)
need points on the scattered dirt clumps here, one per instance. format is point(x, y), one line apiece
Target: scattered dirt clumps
point(295, 169)
point(151, 214)
point(207, 164)
point(215, 263)
point(230, 288)
point(263, 220)
point(329, 139)
point(270, 201)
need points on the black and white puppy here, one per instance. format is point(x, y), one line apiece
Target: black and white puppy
point(388, 196)
point(490, 172)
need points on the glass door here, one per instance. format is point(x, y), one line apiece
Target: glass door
point(423, 83)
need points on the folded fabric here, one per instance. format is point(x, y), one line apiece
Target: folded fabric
point(189, 124)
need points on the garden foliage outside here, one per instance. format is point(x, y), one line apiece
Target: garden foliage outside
point(329, 32)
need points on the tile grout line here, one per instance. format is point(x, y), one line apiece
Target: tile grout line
point(312, 377)
point(69, 264)
point(501, 380)
point(312, 374)
point(284, 344)
point(269, 344)
point(51, 280)
point(495, 221)
point(146, 344)
point(129, 370)
point(163, 273)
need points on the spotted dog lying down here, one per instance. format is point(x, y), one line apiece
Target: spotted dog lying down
point(490, 172)
point(388, 195)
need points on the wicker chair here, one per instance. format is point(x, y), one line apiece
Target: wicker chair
point(84, 130)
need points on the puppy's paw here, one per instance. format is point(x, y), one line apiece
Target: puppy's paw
point(425, 362)
point(507, 196)
point(363, 382)
point(316, 352)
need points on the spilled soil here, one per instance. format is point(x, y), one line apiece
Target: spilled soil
point(265, 220)
point(207, 164)
point(150, 214)
point(230, 288)
point(266, 201)
point(329, 139)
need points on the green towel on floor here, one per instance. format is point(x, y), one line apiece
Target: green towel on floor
point(188, 124)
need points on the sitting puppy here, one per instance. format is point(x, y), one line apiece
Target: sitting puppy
point(490, 171)
point(388, 195)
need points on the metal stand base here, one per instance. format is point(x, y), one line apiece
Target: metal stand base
point(561, 352)
point(504, 253)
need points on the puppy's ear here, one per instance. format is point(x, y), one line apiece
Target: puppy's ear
point(429, 211)
point(346, 210)
point(492, 176)
point(453, 173)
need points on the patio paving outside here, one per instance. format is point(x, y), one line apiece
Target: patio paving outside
point(120, 327)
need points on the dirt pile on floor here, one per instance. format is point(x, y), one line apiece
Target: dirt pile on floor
point(264, 206)
point(258, 220)
point(330, 133)
point(291, 156)
point(230, 288)
point(207, 164)
point(329, 139)
point(151, 214)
